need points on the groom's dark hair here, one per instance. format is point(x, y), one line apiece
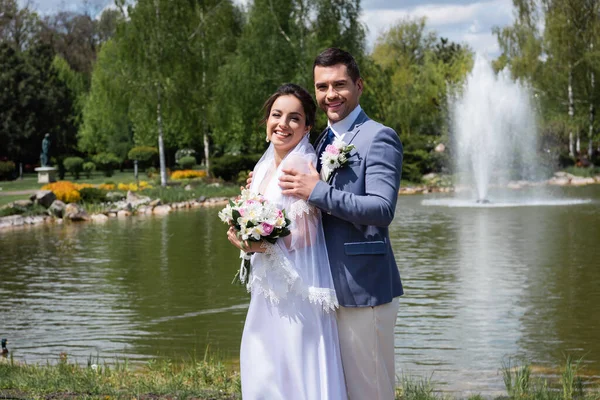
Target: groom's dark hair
point(333, 56)
point(291, 89)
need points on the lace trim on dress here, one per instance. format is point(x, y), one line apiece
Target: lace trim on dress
point(299, 208)
point(283, 279)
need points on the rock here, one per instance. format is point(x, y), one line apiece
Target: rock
point(99, 217)
point(123, 214)
point(201, 199)
point(144, 210)
point(195, 204)
point(22, 204)
point(35, 220)
point(136, 200)
point(11, 220)
point(57, 208)
point(75, 212)
point(440, 148)
point(162, 210)
point(44, 198)
point(216, 185)
point(114, 196)
point(558, 181)
point(155, 203)
point(188, 188)
point(112, 214)
point(514, 185)
point(429, 177)
point(579, 181)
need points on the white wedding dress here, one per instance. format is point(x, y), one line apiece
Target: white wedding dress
point(290, 347)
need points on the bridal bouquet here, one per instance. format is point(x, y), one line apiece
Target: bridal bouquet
point(254, 219)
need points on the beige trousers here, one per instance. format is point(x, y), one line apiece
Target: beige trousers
point(367, 347)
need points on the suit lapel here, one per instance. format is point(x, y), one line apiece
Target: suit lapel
point(318, 149)
point(351, 134)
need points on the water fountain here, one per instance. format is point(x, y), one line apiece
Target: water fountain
point(493, 126)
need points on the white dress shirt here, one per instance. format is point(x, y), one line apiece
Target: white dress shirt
point(340, 128)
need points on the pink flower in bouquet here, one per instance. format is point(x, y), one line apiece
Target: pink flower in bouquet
point(331, 149)
point(267, 228)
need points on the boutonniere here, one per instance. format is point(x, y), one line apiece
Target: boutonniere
point(334, 157)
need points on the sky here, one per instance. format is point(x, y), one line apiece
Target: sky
point(461, 21)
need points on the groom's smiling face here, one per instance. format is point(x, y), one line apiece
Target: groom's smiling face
point(335, 91)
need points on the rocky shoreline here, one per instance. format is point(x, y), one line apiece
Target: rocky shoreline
point(133, 204)
point(560, 178)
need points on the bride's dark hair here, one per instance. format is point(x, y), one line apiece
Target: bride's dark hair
point(287, 89)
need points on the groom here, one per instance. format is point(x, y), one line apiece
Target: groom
point(358, 202)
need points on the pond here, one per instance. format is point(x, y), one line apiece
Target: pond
point(482, 285)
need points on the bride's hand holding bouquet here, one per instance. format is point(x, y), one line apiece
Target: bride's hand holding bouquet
point(252, 219)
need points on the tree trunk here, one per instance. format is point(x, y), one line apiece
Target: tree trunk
point(161, 146)
point(571, 112)
point(592, 115)
point(204, 127)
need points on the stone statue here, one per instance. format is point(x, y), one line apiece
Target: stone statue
point(45, 155)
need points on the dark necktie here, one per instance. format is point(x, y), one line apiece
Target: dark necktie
point(328, 140)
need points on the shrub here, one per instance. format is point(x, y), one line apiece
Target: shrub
point(181, 153)
point(64, 190)
point(229, 166)
point(107, 186)
point(187, 174)
point(150, 172)
point(88, 168)
point(7, 170)
point(107, 162)
point(74, 165)
point(187, 162)
point(143, 154)
point(92, 195)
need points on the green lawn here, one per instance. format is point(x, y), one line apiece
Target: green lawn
point(29, 181)
point(12, 197)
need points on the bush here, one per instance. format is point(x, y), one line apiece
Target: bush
point(181, 153)
point(74, 165)
point(65, 191)
point(107, 162)
point(88, 168)
point(187, 162)
point(92, 195)
point(7, 170)
point(143, 154)
point(150, 172)
point(187, 174)
point(229, 166)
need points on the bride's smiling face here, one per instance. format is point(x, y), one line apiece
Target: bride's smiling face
point(286, 124)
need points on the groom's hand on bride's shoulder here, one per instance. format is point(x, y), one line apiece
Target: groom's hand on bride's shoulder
point(298, 184)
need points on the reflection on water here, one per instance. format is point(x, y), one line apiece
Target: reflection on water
point(482, 284)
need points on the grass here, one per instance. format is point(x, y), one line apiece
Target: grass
point(5, 199)
point(584, 172)
point(190, 379)
point(210, 378)
point(174, 192)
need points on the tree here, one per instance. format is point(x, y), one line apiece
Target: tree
point(106, 123)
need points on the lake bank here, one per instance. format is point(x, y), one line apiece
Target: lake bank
point(210, 379)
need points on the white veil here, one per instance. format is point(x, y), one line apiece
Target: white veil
point(296, 266)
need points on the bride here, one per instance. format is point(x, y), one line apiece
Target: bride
point(290, 347)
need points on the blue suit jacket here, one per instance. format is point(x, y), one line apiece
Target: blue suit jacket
point(358, 205)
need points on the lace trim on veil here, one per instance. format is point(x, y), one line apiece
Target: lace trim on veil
point(283, 279)
point(299, 208)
